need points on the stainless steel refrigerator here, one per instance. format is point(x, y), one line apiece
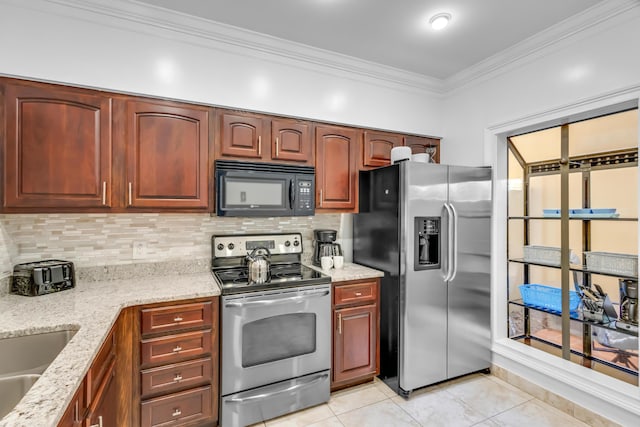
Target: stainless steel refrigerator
point(428, 227)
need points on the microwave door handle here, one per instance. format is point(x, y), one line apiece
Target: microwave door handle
point(292, 193)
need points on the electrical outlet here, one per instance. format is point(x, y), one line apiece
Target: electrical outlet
point(139, 250)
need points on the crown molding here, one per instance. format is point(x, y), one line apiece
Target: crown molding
point(144, 18)
point(540, 43)
point(138, 17)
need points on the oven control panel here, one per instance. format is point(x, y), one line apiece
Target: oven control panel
point(239, 245)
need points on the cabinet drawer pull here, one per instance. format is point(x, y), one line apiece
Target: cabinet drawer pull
point(259, 146)
point(177, 349)
point(340, 323)
point(277, 150)
point(177, 378)
point(104, 193)
point(176, 412)
point(358, 294)
point(99, 422)
point(321, 198)
point(130, 195)
point(177, 319)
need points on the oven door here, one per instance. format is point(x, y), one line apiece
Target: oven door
point(274, 336)
point(243, 193)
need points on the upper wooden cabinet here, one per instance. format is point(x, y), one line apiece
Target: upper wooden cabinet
point(291, 141)
point(57, 151)
point(263, 138)
point(336, 167)
point(376, 148)
point(419, 144)
point(167, 155)
point(242, 135)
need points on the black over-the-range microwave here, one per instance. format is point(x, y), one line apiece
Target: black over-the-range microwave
point(264, 189)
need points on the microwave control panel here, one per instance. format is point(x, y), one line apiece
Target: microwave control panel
point(305, 197)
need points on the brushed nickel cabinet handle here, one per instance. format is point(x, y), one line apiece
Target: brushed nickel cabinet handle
point(259, 146)
point(104, 193)
point(177, 378)
point(99, 422)
point(177, 349)
point(277, 149)
point(176, 412)
point(358, 294)
point(177, 319)
point(340, 323)
point(130, 194)
point(320, 197)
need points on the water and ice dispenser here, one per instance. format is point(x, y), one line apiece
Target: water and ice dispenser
point(427, 243)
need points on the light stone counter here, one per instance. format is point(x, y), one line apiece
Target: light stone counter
point(91, 308)
point(350, 272)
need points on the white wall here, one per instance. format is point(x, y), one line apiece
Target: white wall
point(49, 41)
point(588, 72)
point(599, 60)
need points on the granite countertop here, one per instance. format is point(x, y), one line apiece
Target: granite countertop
point(349, 271)
point(91, 308)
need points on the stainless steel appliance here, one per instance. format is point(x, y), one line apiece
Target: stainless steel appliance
point(264, 189)
point(42, 277)
point(276, 334)
point(324, 244)
point(427, 226)
point(628, 305)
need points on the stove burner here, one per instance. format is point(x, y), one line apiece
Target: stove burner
point(282, 275)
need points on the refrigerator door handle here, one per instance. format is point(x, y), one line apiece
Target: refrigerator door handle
point(455, 242)
point(449, 272)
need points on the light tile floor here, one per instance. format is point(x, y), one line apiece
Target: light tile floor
point(475, 400)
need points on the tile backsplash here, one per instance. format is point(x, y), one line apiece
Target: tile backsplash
point(107, 239)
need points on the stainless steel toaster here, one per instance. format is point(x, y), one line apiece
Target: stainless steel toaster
point(42, 277)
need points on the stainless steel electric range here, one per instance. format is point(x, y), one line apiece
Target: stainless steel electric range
point(276, 335)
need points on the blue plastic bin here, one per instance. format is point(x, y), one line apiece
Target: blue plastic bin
point(548, 298)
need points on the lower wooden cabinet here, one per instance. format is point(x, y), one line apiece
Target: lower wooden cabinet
point(104, 409)
point(178, 408)
point(356, 342)
point(97, 401)
point(176, 383)
point(75, 413)
point(167, 378)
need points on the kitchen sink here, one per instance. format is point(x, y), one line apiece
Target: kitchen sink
point(12, 389)
point(22, 361)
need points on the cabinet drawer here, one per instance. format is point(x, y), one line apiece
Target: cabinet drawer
point(175, 348)
point(100, 366)
point(171, 378)
point(177, 409)
point(176, 318)
point(355, 293)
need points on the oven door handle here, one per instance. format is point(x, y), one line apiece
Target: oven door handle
point(307, 383)
point(297, 298)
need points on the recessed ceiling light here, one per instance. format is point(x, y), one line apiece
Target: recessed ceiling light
point(440, 21)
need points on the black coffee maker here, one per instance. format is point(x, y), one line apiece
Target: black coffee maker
point(324, 244)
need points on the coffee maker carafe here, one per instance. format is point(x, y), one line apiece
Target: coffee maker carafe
point(324, 244)
point(628, 305)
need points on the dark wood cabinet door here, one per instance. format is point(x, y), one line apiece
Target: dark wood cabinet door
point(336, 168)
point(167, 155)
point(103, 411)
point(376, 148)
point(243, 136)
point(420, 144)
point(74, 415)
point(355, 334)
point(291, 141)
point(57, 147)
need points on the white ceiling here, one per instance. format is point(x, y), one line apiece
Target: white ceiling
point(392, 32)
